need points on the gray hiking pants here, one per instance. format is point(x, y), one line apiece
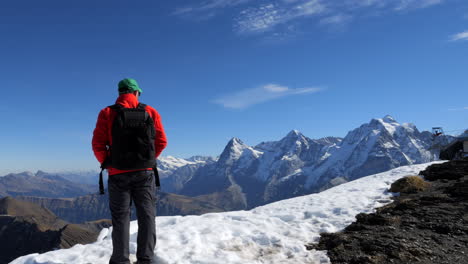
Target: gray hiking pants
point(138, 187)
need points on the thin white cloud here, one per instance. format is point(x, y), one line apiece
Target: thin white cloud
point(338, 19)
point(458, 109)
point(246, 98)
point(209, 6)
point(398, 5)
point(365, 3)
point(265, 16)
point(460, 36)
point(274, 88)
point(414, 4)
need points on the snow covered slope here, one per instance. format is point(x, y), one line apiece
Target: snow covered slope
point(274, 233)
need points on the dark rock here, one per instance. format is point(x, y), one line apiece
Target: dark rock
point(427, 227)
point(450, 170)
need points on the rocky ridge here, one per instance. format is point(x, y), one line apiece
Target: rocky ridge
point(429, 226)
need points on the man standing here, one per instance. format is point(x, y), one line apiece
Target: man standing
point(128, 138)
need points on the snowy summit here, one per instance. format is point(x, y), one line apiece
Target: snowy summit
point(274, 233)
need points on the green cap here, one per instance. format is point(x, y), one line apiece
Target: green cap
point(128, 85)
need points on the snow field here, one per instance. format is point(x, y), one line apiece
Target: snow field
point(274, 233)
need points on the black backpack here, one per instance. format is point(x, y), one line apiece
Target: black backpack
point(133, 136)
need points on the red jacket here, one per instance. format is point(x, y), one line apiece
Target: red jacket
point(102, 136)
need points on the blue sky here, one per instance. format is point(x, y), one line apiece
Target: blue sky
point(218, 69)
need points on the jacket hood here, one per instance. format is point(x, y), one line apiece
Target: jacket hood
point(128, 100)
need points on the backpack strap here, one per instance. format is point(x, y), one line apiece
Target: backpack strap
point(155, 168)
point(116, 107)
point(156, 177)
point(101, 181)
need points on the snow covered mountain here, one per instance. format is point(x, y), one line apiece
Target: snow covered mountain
point(169, 164)
point(378, 146)
point(275, 233)
point(176, 172)
point(297, 165)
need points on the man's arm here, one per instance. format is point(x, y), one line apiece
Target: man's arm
point(160, 141)
point(101, 137)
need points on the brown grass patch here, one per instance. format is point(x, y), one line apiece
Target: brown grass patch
point(410, 184)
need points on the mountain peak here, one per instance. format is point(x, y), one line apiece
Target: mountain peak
point(235, 141)
point(387, 122)
point(233, 150)
point(40, 173)
point(235, 144)
point(294, 133)
point(388, 119)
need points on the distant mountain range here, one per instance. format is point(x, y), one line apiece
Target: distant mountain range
point(77, 203)
point(94, 206)
point(42, 184)
point(248, 176)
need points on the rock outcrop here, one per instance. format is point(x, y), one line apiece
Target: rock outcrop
point(427, 227)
